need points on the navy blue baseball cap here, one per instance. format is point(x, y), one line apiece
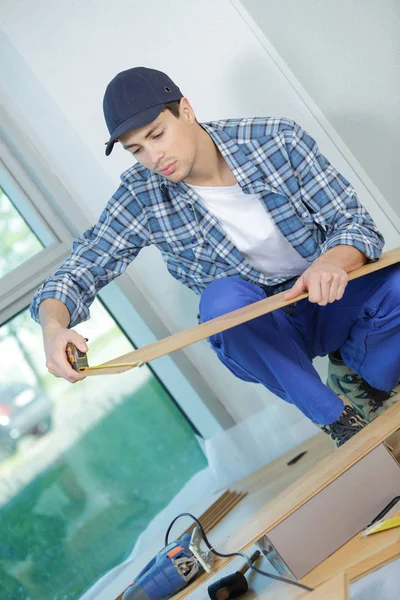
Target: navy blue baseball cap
point(135, 98)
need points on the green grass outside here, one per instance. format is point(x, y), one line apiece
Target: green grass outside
point(82, 516)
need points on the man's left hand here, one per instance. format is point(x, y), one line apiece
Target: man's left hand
point(324, 281)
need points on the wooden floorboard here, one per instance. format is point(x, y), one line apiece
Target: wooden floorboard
point(316, 479)
point(306, 487)
point(336, 588)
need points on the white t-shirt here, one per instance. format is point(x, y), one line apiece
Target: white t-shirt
point(252, 230)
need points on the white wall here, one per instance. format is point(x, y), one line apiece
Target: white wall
point(347, 56)
point(54, 77)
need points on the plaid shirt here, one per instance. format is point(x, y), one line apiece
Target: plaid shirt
point(313, 205)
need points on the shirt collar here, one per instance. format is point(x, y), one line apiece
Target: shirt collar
point(250, 178)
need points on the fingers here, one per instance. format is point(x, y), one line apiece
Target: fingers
point(324, 281)
point(314, 290)
point(57, 362)
point(342, 286)
point(325, 288)
point(59, 366)
point(299, 287)
point(59, 369)
point(78, 340)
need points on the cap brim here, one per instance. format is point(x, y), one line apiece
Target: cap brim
point(140, 120)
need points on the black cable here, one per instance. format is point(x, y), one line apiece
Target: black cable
point(232, 554)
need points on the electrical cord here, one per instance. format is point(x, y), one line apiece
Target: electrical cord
point(232, 554)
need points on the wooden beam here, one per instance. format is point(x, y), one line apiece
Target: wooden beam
point(358, 557)
point(375, 561)
point(336, 588)
point(184, 338)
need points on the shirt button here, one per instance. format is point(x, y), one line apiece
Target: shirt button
point(189, 205)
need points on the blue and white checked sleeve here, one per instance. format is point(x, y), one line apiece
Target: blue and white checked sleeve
point(98, 256)
point(331, 199)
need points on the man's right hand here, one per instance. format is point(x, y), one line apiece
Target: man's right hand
point(55, 341)
point(54, 319)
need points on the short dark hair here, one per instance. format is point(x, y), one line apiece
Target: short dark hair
point(173, 108)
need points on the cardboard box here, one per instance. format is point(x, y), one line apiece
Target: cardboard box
point(333, 516)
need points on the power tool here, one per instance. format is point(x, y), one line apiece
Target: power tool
point(179, 562)
point(168, 572)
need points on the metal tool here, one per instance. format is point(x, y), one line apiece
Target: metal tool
point(296, 458)
point(233, 585)
point(205, 557)
point(79, 362)
point(76, 358)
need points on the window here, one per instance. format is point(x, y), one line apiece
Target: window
point(19, 243)
point(85, 467)
point(36, 240)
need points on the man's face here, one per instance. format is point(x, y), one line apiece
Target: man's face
point(166, 146)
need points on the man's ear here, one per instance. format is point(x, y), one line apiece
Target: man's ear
point(186, 111)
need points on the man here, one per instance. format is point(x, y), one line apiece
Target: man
point(241, 209)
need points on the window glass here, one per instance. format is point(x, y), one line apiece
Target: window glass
point(83, 467)
point(18, 243)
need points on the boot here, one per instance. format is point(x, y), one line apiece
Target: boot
point(348, 424)
point(367, 400)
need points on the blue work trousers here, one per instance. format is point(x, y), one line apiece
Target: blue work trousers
point(276, 349)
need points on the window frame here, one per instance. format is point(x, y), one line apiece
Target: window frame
point(18, 286)
point(53, 208)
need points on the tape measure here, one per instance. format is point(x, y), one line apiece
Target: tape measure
point(79, 362)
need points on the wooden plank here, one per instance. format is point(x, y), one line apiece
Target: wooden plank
point(200, 332)
point(393, 442)
point(217, 511)
point(336, 588)
point(276, 476)
point(203, 510)
point(374, 562)
point(218, 516)
point(306, 487)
